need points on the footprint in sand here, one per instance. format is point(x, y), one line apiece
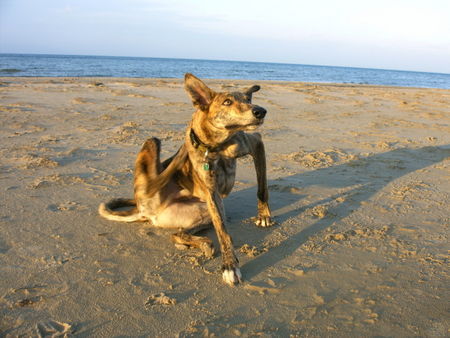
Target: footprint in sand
point(53, 328)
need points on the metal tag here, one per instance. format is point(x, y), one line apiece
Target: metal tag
point(205, 159)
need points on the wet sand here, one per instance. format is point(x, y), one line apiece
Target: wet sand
point(359, 180)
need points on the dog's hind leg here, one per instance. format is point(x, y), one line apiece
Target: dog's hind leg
point(147, 168)
point(148, 160)
point(192, 217)
point(186, 239)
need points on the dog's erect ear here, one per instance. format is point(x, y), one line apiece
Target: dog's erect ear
point(200, 94)
point(248, 92)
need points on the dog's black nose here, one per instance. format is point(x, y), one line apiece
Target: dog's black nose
point(259, 112)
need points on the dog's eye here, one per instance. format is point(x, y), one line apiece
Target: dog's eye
point(227, 102)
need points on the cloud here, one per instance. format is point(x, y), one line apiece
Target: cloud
point(401, 21)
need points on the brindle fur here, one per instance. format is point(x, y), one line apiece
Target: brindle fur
point(179, 193)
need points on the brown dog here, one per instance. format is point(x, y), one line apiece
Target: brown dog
point(185, 191)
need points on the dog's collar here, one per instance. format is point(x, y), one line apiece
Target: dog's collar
point(198, 144)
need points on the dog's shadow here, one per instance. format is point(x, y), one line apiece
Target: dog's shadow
point(361, 179)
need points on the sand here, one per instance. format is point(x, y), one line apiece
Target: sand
point(359, 179)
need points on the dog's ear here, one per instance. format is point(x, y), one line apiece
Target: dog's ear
point(248, 92)
point(200, 94)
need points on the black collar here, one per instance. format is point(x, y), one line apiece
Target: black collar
point(198, 144)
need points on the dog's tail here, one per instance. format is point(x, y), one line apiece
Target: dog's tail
point(107, 210)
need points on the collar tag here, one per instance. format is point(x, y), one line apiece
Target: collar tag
point(205, 161)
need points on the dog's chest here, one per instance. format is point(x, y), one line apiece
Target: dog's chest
point(224, 171)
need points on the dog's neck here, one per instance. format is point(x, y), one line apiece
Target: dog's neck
point(198, 143)
point(204, 136)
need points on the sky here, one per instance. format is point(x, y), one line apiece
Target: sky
point(388, 34)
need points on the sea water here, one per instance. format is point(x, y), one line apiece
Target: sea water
point(145, 67)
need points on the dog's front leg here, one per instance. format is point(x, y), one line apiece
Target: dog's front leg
point(259, 158)
point(230, 270)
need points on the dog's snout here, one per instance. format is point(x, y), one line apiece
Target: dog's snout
point(259, 112)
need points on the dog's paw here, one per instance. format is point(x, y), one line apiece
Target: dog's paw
point(232, 276)
point(181, 246)
point(152, 144)
point(264, 221)
point(207, 249)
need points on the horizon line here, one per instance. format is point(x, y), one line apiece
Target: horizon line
point(216, 60)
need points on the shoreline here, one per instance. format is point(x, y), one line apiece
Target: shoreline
point(213, 81)
point(359, 185)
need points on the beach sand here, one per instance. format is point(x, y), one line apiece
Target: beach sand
point(359, 180)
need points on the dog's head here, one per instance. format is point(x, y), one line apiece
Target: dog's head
point(232, 111)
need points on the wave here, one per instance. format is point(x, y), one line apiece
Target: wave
point(9, 70)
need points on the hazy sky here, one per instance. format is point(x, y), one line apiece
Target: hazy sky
point(391, 34)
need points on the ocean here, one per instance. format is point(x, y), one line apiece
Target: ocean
point(143, 67)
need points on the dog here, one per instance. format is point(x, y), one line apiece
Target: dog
point(185, 191)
